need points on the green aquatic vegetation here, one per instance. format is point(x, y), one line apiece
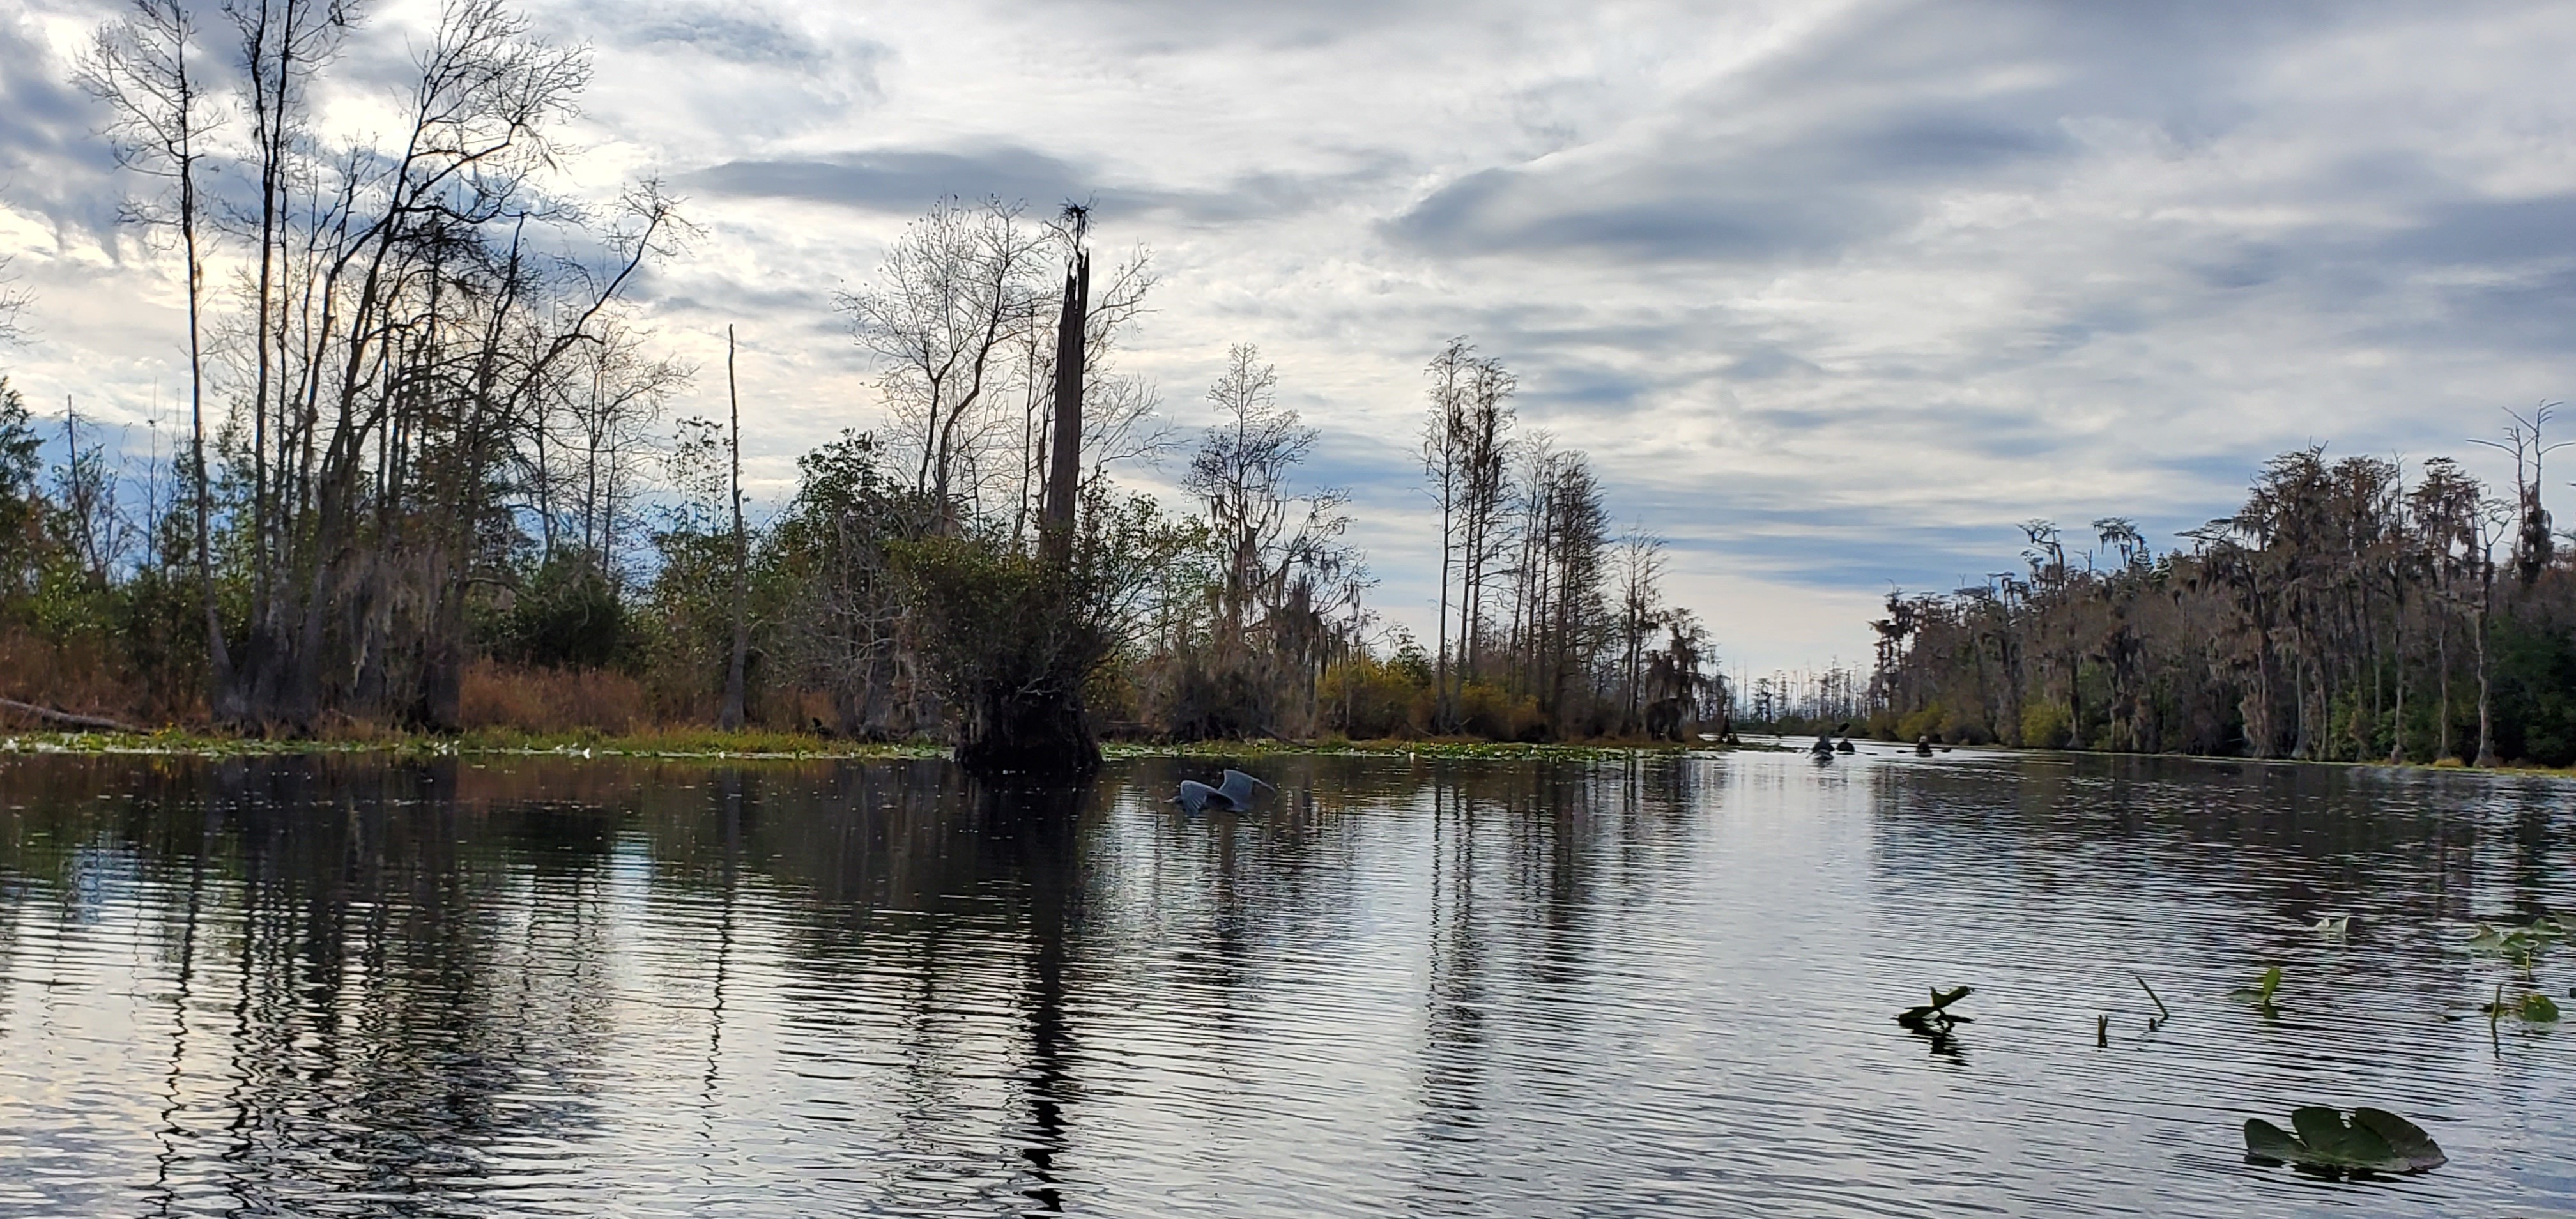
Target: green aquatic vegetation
point(2521, 946)
point(1936, 1015)
point(2532, 1007)
point(757, 744)
point(2540, 931)
point(2261, 993)
point(2374, 1140)
point(675, 744)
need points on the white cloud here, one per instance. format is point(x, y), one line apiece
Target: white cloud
point(1833, 293)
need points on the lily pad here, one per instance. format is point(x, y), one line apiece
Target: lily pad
point(2373, 1140)
point(2533, 1007)
point(2519, 944)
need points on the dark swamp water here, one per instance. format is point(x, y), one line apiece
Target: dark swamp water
point(509, 987)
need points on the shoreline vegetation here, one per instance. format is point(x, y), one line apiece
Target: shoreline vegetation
point(760, 745)
point(422, 479)
point(422, 484)
point(757, 745)
point(2353, 610)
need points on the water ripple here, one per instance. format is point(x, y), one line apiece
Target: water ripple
point(347, 986)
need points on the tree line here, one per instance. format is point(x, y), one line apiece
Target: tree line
point(425, 477)
point(2351, 610)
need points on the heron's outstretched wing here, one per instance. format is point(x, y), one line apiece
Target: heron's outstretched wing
point(1195, 795)
point(1237, 788)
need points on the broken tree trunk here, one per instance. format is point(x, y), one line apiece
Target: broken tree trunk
point(92, 723)
point(1064, 468)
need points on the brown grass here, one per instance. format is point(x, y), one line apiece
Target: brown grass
point(81, 675)
point(539, 700)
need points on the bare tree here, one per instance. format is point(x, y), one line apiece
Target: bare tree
point(2533, 542)
point(955, 292)
point(607, 401)
point(1279, 577)
point(1640, 569)
point(1444, 461)
point(13, 302)
point(1264, 532)
point(1483, 446)
point(400, 336)
point(730, 717)
point(144, 68)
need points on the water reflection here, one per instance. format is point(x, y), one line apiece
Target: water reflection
point(353, 986)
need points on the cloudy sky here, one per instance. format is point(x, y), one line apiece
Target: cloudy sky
point(1832, 293)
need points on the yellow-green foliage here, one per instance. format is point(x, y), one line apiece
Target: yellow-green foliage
point(1488, 711)
point(2046, 726)
point(1371, 699)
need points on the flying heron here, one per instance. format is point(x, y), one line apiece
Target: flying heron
point(1234, 794)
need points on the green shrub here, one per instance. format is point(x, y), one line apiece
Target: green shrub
point(567, 614)
point(2046, 726)
point(1488, 711)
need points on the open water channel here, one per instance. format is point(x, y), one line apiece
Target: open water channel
point(1658, 986)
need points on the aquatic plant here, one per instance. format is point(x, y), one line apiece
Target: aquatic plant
point(2374, 1140)
point(2333, 924)
point(2519, 945)
point(2532, 1007)
point(2260, 994)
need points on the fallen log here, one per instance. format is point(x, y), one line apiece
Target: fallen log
point(94, 723)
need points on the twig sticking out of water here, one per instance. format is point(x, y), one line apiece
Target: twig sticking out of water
point(2161, 1014)
point(2102, 1032)
point(2495, 1014)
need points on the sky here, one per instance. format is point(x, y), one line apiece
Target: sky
point(1832, 294)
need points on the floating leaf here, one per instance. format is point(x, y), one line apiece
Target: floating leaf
point(2265, 1141)
point(2374, 1140)
point(2534, 1007)
point(2519, 944)
point(2263, 989)
point(2403, 1137)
